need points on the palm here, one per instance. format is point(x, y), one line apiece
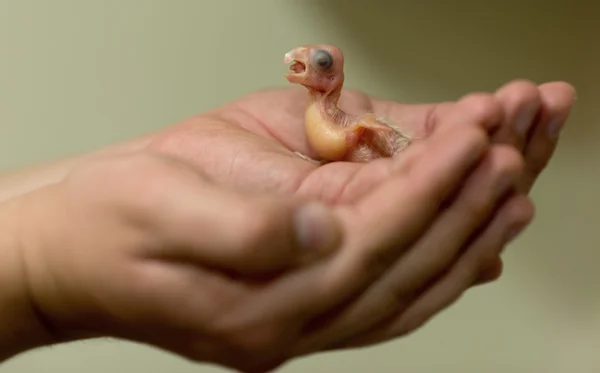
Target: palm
point(250, 144)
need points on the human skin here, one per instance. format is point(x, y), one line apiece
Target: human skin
point(164, 255)
point(239, 142)
point(262, 131)
point(249, 149)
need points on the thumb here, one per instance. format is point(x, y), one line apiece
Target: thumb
point(247, 234)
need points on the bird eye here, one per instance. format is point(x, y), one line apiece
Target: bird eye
point(323, 59)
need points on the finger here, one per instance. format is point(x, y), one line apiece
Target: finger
point(422, 119)
point(521, 101)
point(511, 219)
point(490, 273)
point(396, 213)
point(380, 225)
point(413, 118)
point(433, 253)
point(455, 226)
point(434, 168)
point(375, 227)
point(351, 180)
point(486, 105)
point(557, 100)
point(202, 222)
point(354, 102)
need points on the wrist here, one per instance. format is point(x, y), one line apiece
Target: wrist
point(20, 327)
point(52, 279)
point(25, 204)
point(18, 183)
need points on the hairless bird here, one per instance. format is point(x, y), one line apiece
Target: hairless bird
point(333, 134)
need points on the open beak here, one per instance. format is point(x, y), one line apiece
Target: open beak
point(297, 59)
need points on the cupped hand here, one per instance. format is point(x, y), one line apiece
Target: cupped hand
point(250, 143)
point(146, 247)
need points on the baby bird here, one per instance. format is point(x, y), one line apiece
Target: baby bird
point(334, 134)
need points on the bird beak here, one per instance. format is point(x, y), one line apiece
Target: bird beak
point(298, 60)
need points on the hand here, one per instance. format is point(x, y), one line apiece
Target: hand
point(163, 255)
point(532, 120)
point(250, 143)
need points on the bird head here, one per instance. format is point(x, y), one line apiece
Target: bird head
point(318, 67)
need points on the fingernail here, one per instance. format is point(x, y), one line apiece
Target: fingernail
point(525, 118)
point(317, 230)
point(554, 128)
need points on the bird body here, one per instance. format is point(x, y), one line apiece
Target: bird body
point(334, 134)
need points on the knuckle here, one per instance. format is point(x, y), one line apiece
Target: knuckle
point(477, 140)
point(490, 269)
point(537, 163)
point(562, 97)
point(499, 172)
point(398, 295)
point(476, 207)
point(523, 90)
point(134, 168)
point(255, 347)
point(482, 107)
point(135, 178)
point(410, 323)
point(524, 82)
point(144, 180)
point(520, 211)
point(506, 162)
point(262, 367)
point(485, 254)
point(135, 165)
point(473, 143)
point(486, 257)
point(512, 218)
point(258, 226)
point(379, 260)
point(260, 341)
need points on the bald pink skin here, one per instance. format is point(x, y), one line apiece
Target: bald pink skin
point(334, 134)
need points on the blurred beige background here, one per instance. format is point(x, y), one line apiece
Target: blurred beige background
point(76, 75)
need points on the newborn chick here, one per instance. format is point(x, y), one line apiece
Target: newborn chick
point(334, 134)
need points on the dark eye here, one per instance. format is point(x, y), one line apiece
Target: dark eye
point(323, 59)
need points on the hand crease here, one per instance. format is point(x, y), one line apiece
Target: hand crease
point(346, 185)
point(241, 110)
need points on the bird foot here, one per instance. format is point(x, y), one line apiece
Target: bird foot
point(308, 159)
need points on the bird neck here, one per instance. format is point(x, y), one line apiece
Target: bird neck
point(327, 93)
point(327, 98)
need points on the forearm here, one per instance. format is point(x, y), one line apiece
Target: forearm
point(20, 326)
point(13, 184)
